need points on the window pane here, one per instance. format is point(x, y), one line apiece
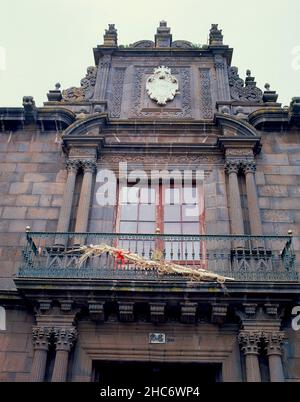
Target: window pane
point(190, 195)
point(190, 213)
point(172, 196)
point(191, 228)
point(146, 227)
point(128, 227)
point(172, 228)
point(147, 213)
point(130, 195)
point(129, 212)
point(147, 195)
point(172, 213)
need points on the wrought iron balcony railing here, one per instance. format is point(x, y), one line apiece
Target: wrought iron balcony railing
point(245, 258)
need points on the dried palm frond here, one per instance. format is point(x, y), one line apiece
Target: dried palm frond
point(162, 267)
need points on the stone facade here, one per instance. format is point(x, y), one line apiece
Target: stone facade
point(59, 328)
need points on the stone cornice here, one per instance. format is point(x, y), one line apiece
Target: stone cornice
point(204, 51)
point(57, 119)
point(269, 118)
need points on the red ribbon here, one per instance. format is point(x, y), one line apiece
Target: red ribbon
point(120, 257)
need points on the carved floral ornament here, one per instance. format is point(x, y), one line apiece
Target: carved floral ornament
point(162, 86)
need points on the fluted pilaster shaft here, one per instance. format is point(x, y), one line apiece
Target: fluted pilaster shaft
point(249, 344)
point(273, 343)
point(66, 208)
point(64, 340)
point(89, 168)
point(41, 338)
point(253, 206)
point(222, 78)
point(102, 77)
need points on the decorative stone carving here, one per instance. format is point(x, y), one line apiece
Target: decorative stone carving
point(157, 312)
point(188, 312)
point(219, 61)
point(249, 342)
point(86, 90)
point(250, 308)
point(117, 91)
point(73, 165)
point(232, 167)
point(249, 167)
point(162, 160)
point(219, 312)
point(111, 36)
point(162, 86)
point(272, 309)
point(143, 44)
point(29, 104)
point(185, 94)
point(66, 305)
point(41, 337)
point(215, 35)
point(126, 312)
point(236, 152)
point(246, 92)
point(105, 61)
point(45, 305)
point(96, 310)
point(206, 98)
point(65, 338)
point(89, 165)
point(273, 342)
point(182, 44)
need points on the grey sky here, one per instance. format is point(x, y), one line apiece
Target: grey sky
point(47, 41)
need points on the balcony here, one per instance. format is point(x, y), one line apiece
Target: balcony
point(244, 258)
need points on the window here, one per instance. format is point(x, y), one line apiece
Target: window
point(174, 210)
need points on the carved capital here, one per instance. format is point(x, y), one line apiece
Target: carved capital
point(41, 337)
point(65, 338)
point(273, 341)
point(73, 165)
point(232, 167)
point(249, 342)
point(249, 167)
point(89, 166)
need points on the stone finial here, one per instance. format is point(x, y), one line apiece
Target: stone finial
point(29, 104)
point(269, 96)
point(163, 37)
point(249, 81)
point(294, 111)
point(111, 36)
point(55, 95)
point(215, 35)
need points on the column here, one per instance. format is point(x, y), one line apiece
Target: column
point(41, 338)
point(249, 344)
point(89, 167)
point(273, 342)
point(253, 207)
point(236, 214)
point(64, 340)
point(66, 208)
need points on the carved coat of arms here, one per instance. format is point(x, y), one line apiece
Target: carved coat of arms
point(162, 86)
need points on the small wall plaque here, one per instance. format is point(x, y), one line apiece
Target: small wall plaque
point(157, 338)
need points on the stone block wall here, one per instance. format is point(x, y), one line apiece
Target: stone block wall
point(278, 185)
point(16, 349)
point(32, 180)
